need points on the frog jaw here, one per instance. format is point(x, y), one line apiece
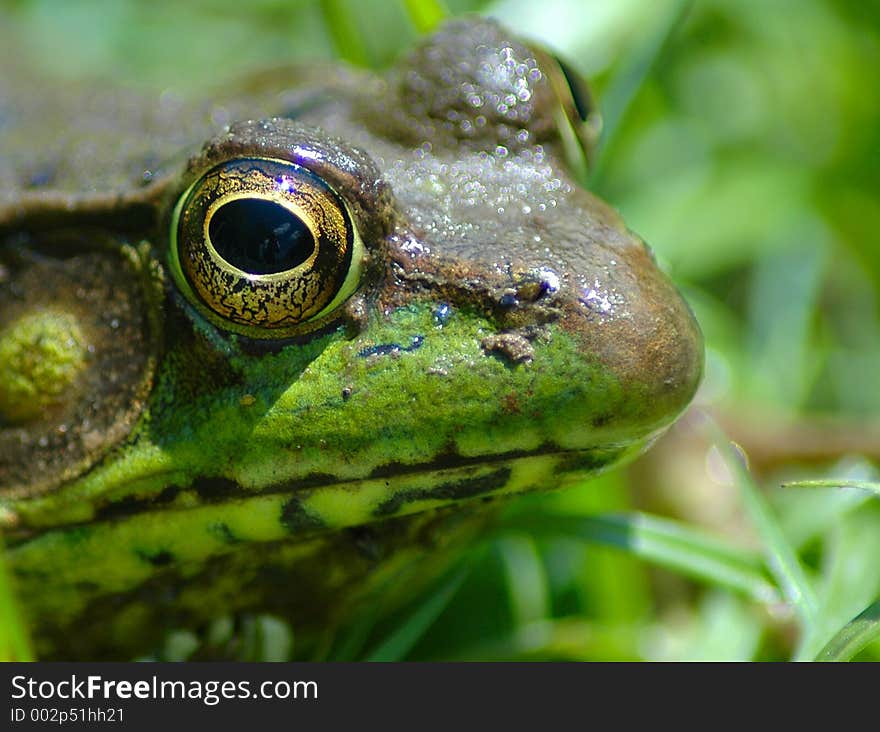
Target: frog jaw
point(288, 469)
point(412, 396)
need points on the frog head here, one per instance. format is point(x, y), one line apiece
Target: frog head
point(373, 305)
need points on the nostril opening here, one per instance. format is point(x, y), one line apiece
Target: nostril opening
point(535, 284)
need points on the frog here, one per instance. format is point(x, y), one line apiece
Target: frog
point(286, 347)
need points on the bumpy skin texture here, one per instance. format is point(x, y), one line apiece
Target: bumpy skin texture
point(508, 334)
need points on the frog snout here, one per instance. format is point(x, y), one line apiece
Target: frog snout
point(628, 318)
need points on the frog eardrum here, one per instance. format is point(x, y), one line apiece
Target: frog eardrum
point(265, 245)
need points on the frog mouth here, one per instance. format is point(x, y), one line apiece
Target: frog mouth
point(323, 502)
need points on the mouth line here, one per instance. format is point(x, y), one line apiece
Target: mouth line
point(456, 477)
point(217, 489)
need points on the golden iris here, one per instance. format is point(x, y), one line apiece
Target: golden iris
point(265, 244)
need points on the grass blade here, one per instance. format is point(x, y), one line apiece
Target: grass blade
point(425, 14)
point(14, 642)
point(401, 641)
point(866, 485)
point(781, 557)
point(854, 636)
point(342, 25)
point(669, 544)
point(569, 638)
point(629, 79)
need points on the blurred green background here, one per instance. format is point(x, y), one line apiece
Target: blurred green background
point(742, 141)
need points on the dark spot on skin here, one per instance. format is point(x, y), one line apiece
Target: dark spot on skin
point(296, 519)
point(160, 559)
point(222, 531)
point(216, 489)
point(386, 349)
point(346, 393)
point(453, 490)
point(131, 505)
point(508, 300)
point(168, 494)
point(600, 420)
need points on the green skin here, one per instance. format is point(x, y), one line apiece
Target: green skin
point(242, 472)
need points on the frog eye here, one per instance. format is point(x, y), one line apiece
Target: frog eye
point(581, 102)
point(265, 245)
point(579, 121)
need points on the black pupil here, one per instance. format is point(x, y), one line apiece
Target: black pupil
point(259, 236)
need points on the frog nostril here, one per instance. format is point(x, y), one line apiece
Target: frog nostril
point(508, 300)
point(535, 284)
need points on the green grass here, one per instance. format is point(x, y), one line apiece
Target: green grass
point(14, 642)
point(854, 636)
